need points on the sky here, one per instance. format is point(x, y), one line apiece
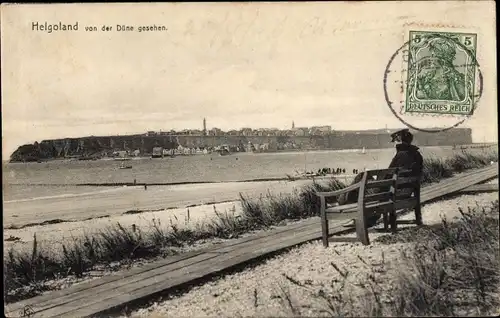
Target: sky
point(236, 64)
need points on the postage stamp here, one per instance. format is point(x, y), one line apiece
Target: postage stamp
point(441, 73)
point(434, 79)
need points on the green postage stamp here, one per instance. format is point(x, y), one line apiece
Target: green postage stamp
point(441, 70)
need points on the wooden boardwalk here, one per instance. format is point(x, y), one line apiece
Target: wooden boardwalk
point(117, 290)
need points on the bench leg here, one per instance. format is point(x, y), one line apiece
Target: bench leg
point(386, 221)
point(393, 221)
point(361, 229)
point(418, 215)
point(324, 230)
point(324, 221)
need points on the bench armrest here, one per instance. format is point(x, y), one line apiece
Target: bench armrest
point(338, 192)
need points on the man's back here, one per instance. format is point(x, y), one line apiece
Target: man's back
point(408, 157)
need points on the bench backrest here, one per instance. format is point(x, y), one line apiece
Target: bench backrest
point(391, 189)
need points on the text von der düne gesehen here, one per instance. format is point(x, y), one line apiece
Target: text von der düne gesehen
point(59, 26)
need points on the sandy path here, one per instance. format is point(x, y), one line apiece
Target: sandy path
point(253, 292)
point(131, 198)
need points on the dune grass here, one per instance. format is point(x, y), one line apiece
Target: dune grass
point(436, 169)
point(451, 269)
point(26, 274)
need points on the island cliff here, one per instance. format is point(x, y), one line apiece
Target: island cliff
point(97, 147)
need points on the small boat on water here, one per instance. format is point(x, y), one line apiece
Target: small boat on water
point(125, 166)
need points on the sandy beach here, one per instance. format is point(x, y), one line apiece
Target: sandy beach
point(116, 202)
point(254, 291)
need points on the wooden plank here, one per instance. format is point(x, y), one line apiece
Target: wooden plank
point(379, 183)
point(379, 207)
point(402, 172)
point(153, 271)
point(343, 239)
point(292, 228)
point(405, 221)
point(450, 186)
point(404, 193)
point(342, 208)
point(133, 291)
point(109, 287)
point(106, 279)
point(265, 240)
point(342, 216)
point(383, 196)
point(101, 281)
point(375, 205)
point(407, 181)
point(428, 193)
point(361, 229)
point(405, 204)
point(481, 188)
point(161, 263)
point(313, 234)
point(339, 192)
point(380, 172)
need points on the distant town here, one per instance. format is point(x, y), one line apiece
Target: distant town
point(294, 131)
point(193, 141)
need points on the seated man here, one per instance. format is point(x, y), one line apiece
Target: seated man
point(407, 157)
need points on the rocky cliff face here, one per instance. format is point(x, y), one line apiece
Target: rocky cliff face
point(89, 147)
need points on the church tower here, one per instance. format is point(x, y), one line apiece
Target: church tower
point(204, 126)
point(293, 124)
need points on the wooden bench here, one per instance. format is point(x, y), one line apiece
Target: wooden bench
point(384, 192)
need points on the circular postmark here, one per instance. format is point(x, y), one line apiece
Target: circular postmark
point(433, 82)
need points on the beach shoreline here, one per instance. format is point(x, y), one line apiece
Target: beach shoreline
point(70, 208)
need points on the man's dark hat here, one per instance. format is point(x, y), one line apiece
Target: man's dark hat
point(400, 134)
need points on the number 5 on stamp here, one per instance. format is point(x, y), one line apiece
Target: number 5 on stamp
point(441, 73)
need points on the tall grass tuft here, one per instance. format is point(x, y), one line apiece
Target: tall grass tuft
point(272, 209)
point(436, 169)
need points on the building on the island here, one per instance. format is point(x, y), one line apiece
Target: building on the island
point(157, 152)
point(151, 133)
point(246, 131)
point(320, 130)
point(215, 132)
point(262, 132)
point(233, 132)
point(285, 132)
point(120, 153)
point(264, 147)
point(272, 132)
point(300, 131)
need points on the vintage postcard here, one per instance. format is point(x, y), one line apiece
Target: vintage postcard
point(148, 148)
